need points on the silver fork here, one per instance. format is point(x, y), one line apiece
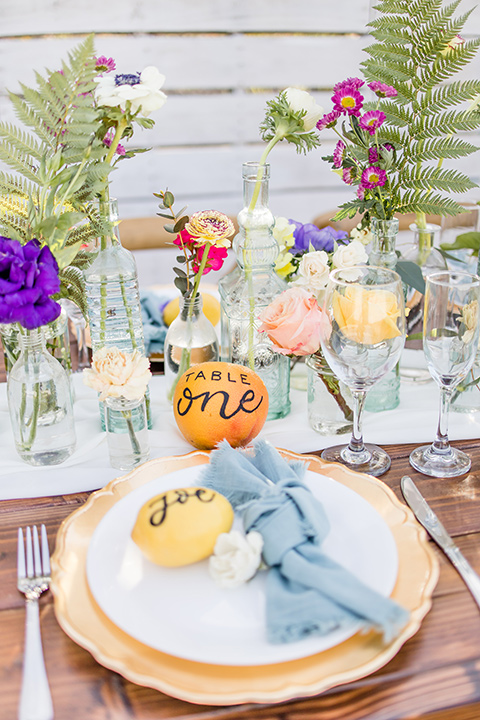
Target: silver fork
point(33, 578)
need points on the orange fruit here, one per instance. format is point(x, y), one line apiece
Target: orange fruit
point(219, 400)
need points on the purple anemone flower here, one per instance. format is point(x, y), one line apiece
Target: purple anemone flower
point(28, 277)
point(310, 235)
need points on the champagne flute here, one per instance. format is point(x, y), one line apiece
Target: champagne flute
point(362, 338)
point(450, 342)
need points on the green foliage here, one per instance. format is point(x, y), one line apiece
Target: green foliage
point(57, 161)
point(283, 123)
point(411, 52)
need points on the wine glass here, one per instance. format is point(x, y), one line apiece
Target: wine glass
point(362, 337)
point(450, 342)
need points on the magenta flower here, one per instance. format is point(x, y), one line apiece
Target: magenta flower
point(328, 121)
point(361, 192)
point(339, 153)
point(184, 239)
point(104, 64)
point(373, 155)
point(348, 101)
point(350, 83)
point(108, 139)
point(382, 89)
point(373, 177)
point(349, 175)
point(372, 120)
point(215, 260)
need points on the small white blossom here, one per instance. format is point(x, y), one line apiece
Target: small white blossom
point(236, 558)
point(347, 256)
point(302, 100)
point(364, 235)
point(313, 272)
point(141, 92)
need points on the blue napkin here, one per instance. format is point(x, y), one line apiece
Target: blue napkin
point(154, 329)
point(307, 592)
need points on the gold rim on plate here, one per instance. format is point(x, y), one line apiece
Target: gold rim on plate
point(81, 618)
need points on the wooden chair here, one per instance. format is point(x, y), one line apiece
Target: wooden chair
point(405, 221)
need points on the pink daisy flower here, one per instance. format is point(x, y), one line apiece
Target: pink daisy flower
point(107, 140)
point(382, 89)
point(372, 120)
point(350, 83)
point(348, 175)
point(104, 64)
point(348, 101)
point(361, 192)
point(373, 155)
point(328, 121)
point(373, 177)
point(338, 153)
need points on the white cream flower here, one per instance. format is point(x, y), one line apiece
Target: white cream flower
point(347, 256)
point(469, 319)
point(236, 558)
point(313, 271)
point(141, 90)
point(115, 373)
point(302, 100)
point(363, 234)
point(283, 233)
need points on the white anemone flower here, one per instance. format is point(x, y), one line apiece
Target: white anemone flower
point(302, 100)
point(141, 90)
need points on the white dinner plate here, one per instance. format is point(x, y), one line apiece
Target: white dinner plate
point(182, 612)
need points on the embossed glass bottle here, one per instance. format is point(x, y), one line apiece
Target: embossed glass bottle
point(112, 293)
point(249, 288)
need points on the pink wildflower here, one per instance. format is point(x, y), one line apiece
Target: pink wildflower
point(348, 175)
point(373, 155)
point(338, 153)
point(104, 64)
point(216, 258)
point(350, 83)
point(108, 139)
point(361, 192)
point(382, 89)
point(348, 101)
point(184, 239)
point(372, 120)
point(328, 121)
point(373, 177)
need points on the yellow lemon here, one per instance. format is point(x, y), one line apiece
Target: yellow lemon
point(181, 526)
point(211, 308)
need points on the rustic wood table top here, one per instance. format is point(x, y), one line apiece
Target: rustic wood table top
point(436, 675)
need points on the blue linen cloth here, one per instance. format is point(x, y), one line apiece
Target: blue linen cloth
point(154, 329)
point(306, 592)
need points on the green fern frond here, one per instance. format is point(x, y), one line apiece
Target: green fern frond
point(441, 149)
point(434, 178)
point(446, 123)
point(440, 98)
point(434, 205)
point(72, 285)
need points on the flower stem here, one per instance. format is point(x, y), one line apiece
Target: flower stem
point(127, 414)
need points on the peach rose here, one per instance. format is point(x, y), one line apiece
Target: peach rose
point(115, 373)
point(292, 322)
point(366, 316)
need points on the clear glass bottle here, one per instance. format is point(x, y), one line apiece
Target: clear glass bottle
point(249, 288)
point(330, 401)
point(127, 432)
point(384, 395)
point(190, 339)
point(40, 403)
point(112, 293)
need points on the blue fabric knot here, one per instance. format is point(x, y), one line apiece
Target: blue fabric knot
point(154, 328)
point(307, 592)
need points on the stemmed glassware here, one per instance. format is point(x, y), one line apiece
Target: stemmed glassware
point(362, 337)
point(450, 342)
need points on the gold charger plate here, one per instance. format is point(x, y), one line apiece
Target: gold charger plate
point(81, 618)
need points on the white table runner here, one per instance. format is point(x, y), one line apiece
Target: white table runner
point(415, 420)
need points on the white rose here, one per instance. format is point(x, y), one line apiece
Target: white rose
point(347, 256)
point(313, 271)
point(364, 235)
point(302, 100)
point(235, 558)
point(142, 91)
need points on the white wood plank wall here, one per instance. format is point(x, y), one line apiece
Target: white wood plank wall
point(223, 60)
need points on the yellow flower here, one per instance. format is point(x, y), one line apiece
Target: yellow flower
point(283, 264)
point(367, 316)
point(210, 226)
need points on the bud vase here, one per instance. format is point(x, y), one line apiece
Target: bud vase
point(330, 402)
point(112, 293)
point(40, 402)
point(250, 288)
point(385, 394)
point(190, 339)
point(127, 432)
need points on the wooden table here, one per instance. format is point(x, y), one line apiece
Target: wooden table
point(436, 675)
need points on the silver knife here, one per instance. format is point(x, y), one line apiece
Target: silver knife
point(426, 517)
